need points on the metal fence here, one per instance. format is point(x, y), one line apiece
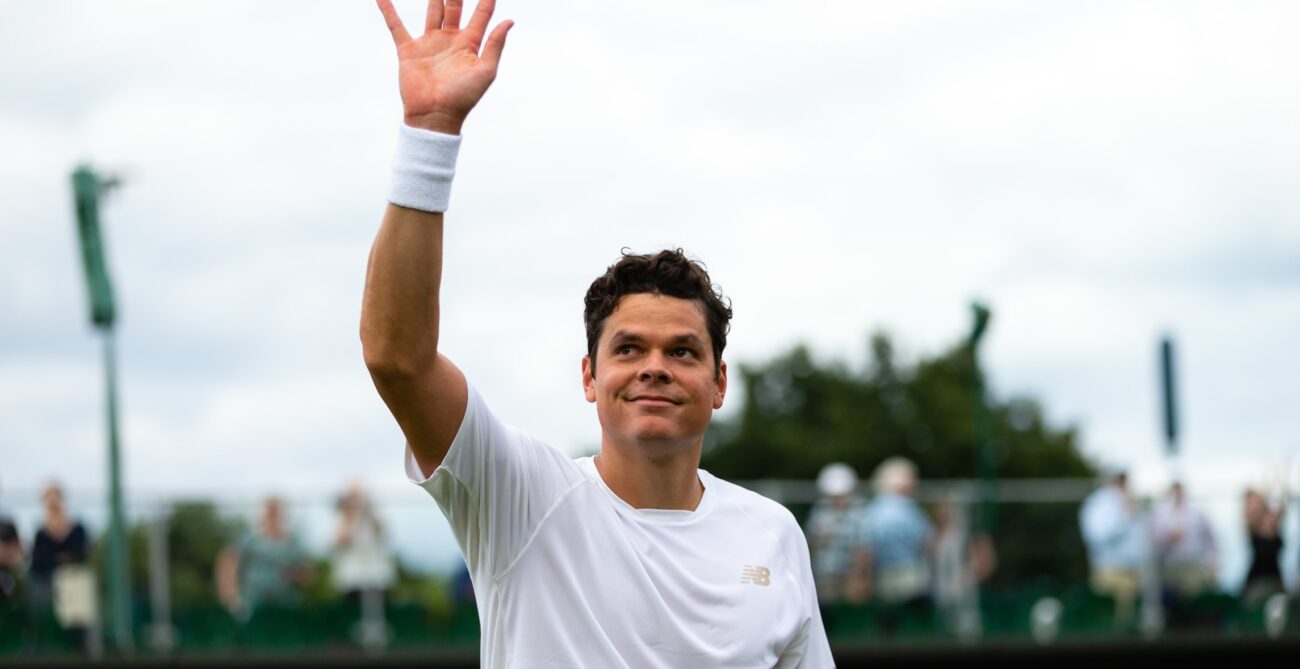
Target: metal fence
point(423, 612)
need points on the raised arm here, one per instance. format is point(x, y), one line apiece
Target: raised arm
point(442, 74)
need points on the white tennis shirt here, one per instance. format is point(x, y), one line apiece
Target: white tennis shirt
point(567, 574)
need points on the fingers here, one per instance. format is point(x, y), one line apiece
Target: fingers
point(400, 36)
point(433, 16)
point(478, 23)
point(451, 16)
point(495, 43)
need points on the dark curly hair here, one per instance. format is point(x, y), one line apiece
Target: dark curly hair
point(668, 272)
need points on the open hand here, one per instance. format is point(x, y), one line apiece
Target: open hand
point(442, 73)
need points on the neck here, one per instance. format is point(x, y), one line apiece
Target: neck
point(668, 482)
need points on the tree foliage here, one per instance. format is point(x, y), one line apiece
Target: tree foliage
point(196, 533)
point(799, 414)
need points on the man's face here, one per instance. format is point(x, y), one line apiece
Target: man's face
point(272, 515)
point(52, 496)
point(655, 385)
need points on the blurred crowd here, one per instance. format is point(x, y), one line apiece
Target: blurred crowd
point(889, 552)
point(51, 582)
point(874, 547)
point(883, 551)
point(1166, 552)
point(52, 571)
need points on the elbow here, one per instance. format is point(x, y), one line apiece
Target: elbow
point(387, 368)
point(389, 364)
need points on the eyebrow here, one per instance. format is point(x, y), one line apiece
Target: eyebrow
point(625, 336)
point(621, 336)
point(688, 339)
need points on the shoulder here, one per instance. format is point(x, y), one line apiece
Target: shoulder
point(248, 541)
point(882, 505)
point(1096, 498)
point(768, 513)
point(481, 423)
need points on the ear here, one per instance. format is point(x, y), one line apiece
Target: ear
point(588, 379)
point(720, 391)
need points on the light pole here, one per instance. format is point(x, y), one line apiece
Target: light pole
point(88, 188)
point(980, 422)
point(1169, 397)
point(986, 517)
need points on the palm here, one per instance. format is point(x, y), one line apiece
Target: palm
point(441, 74)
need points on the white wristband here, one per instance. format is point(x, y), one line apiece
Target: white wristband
point(423, 167)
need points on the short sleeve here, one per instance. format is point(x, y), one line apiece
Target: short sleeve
point(810, 648)
point(75, 544)
point(8, 531)
point(495, 486)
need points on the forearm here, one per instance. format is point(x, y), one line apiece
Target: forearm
point(400, 306)
point(399, 334)
point(227, 578)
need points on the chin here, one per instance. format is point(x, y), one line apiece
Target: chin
point(664, 441)
point(657, 437)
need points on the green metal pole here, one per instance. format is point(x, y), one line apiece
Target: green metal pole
point(984, 452)
point(981, 435)
point(118, 572)
point(981, 425)
point(88, 188)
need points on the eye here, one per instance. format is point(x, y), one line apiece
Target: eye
point(625, 349)
point(682, 352)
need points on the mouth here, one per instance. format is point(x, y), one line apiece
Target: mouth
point(652, 401)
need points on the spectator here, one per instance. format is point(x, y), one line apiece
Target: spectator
point(1263, 523)
point(11, 562)
point(962, 560)
point(361, 558)
point(362, 568)
point(1186, 554)
point(900, 537)
point(1116, 535)
point(1185, 545)
point(58, 579)
point(266, 567)
point(837, 540)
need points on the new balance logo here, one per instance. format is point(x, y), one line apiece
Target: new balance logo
point(756, 575)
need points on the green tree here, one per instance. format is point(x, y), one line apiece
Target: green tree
point(799, 414)
point(196, 533)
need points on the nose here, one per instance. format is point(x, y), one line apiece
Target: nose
point(655, 369)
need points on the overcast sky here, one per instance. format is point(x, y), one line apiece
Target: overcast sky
point(1100, 173)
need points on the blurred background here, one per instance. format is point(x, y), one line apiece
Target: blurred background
point(857, 176)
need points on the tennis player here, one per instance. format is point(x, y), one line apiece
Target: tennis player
point(634, 557)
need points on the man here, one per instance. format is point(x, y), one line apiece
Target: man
point(1116, 535)
point(901, 538)
point(267, 567)
point(964, 558)
point(837, 538)
point(1185, 544)
point(1186, 554)
point(631, 558)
